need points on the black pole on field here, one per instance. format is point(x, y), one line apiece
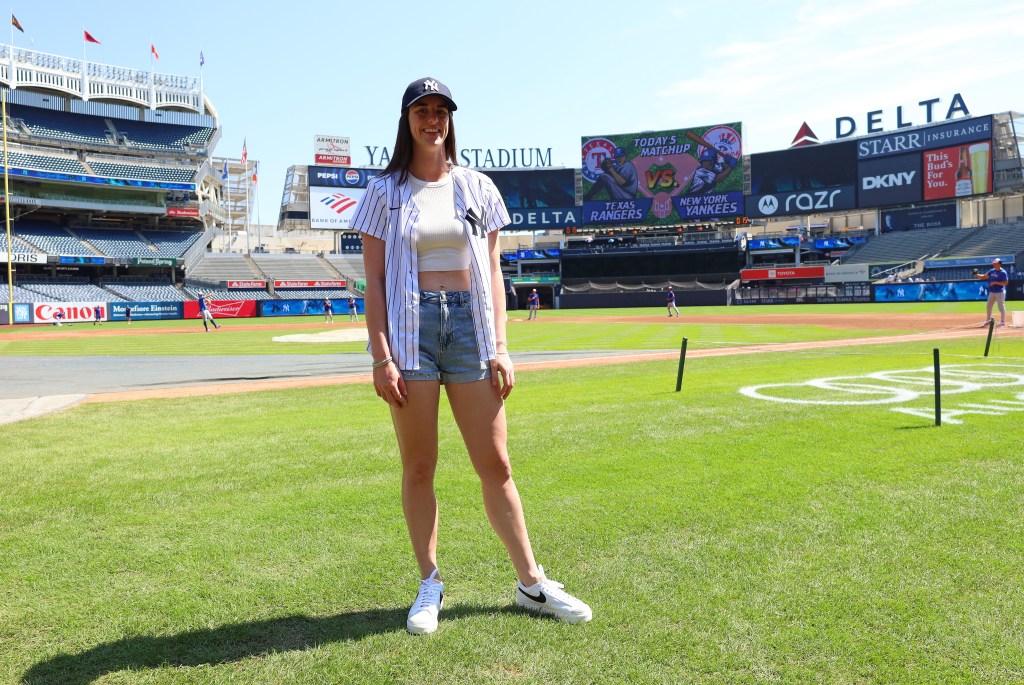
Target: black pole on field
point(988, 343)
point(682, 363)
point(938, 390)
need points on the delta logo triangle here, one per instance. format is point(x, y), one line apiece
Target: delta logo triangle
point(805, 136)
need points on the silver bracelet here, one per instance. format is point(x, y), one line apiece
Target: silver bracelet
point(382, 363)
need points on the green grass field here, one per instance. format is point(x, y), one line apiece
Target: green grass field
point(719, 538)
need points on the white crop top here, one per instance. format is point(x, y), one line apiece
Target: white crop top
point(441, 243)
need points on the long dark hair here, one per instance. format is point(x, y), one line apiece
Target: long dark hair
point(401, 154)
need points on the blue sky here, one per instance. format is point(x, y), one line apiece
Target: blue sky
point(543, 74)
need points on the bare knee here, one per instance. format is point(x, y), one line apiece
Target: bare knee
point(495, 471)
point(419, 471)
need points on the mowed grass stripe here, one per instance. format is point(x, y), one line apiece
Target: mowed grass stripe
point(720, 539)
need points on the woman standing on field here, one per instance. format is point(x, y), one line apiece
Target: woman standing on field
point(435, 312)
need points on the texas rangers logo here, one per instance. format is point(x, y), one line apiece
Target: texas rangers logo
point(595, 151)
point(339, 203)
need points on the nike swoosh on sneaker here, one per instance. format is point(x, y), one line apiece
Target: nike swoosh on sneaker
point(540, 598)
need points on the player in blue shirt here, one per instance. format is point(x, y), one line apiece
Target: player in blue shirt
point(670, 302)
point(97, 313)
point(997, 282)
point(533, 300)
point(206, 313)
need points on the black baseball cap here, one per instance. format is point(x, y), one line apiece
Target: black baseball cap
point(425, 86)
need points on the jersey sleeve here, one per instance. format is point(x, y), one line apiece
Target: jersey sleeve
point(497, 213)
point(371, 215)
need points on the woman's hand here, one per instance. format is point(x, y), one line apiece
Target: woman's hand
point(501, 366)
point(390, 385)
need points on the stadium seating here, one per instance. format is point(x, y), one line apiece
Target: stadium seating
point(72, 292)
point(171, 243)
point(24, 160)
point(293, 267)
point(19, 247)
point(216, 267)
point(20, 294)
point(115, 243)
point(162, 137)
point(906, 246)
point(959, 273)
point(350, 265)
point(990, 241)
point(52, 239)
point(135, 291)
point(148, 173)
point(72, 128)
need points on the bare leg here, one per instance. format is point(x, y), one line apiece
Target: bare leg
point(416, 428)
point(480, 414)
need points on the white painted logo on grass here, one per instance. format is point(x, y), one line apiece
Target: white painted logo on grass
point(904, 386)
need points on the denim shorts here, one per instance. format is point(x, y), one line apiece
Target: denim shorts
point(448, 351)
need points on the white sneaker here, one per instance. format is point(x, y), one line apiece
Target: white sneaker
point(425, 610)
point(548, 597)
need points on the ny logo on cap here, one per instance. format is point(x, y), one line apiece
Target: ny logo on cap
point(430, 85)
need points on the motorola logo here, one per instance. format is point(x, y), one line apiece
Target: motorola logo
point(768, 205)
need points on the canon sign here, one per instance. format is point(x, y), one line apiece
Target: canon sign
point(74, 312)
point(801, 202)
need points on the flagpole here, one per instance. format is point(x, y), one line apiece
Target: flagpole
point(152, 76)
point(85, 67)
point(248, 248)
point(202, 104)
point(227, 203)
point(259, 235)
point(7, 217)
point(12, 78)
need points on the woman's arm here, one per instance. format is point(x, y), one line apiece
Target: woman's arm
point(501, 365)
point(387, 381)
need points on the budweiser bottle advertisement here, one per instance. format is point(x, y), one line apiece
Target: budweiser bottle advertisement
point(963, 175)
point(979, 167)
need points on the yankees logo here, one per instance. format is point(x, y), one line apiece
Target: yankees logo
point(430, 85)
point(476, 222)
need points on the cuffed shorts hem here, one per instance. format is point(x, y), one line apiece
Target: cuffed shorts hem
point(445, 378)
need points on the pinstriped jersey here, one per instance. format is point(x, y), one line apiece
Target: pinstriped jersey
point(387, 212)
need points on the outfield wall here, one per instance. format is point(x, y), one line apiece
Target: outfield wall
point(684, 298)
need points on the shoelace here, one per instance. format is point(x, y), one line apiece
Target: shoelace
point(428, 595)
